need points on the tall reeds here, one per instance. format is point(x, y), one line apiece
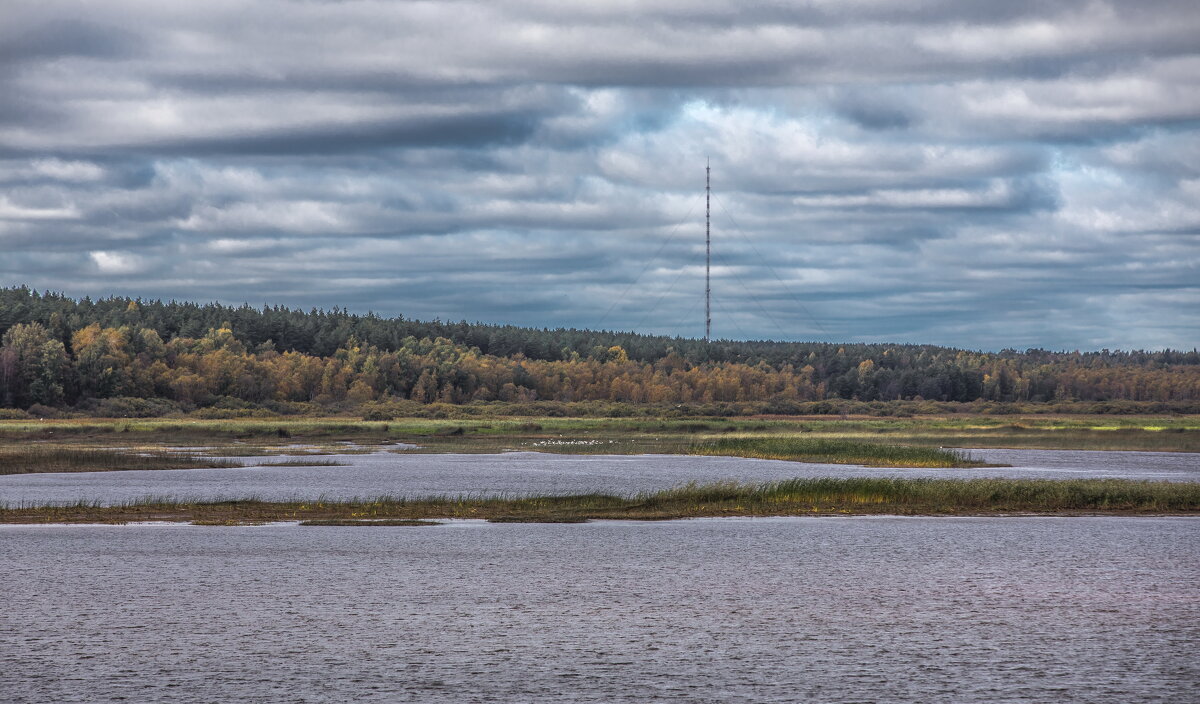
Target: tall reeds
point(27, 460)
point(942, 495)
point(862, 496)
point(833, 451)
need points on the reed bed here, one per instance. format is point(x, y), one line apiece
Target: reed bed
point(28, 460)
point(944, 495)
point(634, 434)
point(810, 496)
point(833, 451)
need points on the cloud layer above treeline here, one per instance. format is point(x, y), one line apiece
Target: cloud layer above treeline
point(977, 174)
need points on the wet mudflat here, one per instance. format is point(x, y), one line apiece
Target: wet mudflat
point(730, 610)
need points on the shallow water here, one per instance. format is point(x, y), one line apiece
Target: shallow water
point(416, 475)
point(722, 610)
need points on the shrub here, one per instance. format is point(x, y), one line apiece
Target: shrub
point(37, 410)
point(129, 407)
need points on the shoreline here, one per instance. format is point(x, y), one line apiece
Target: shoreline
point(390, 523)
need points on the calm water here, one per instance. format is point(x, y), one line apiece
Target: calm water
point(525, 472)
point(724, 610)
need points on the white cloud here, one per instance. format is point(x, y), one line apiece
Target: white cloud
point(14, 211)
point(995, 194)
point(81, 171)
point(117, 263)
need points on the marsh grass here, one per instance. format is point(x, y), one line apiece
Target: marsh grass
point(833, 451)
point(943, 495)
point(31, 459)
point(633, 435)
point(794, 497)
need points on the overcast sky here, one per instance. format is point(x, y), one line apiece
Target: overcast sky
point(980, 174)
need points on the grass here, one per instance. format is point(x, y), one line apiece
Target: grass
point(914, 441)
point(795, 497)
point(26, 460)
point(833, 451)
point(1163, 433)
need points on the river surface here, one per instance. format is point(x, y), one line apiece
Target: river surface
point(878, 609)
point(416, 475)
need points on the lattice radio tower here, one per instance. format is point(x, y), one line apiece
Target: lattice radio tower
point(707, 254)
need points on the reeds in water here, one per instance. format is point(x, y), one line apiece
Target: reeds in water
point(33, 459)
point(936, 496)
point(833, 451)
point(794, 497)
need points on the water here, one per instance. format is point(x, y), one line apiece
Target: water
point(526, 472)
point(1101, 464)
point(722, 610)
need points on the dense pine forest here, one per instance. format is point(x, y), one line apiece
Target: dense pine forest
point(120, 355)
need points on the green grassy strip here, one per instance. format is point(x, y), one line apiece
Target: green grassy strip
point(624, 435)
point(833, 451)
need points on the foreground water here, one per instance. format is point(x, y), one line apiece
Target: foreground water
point(719, 610)
point(415, 475)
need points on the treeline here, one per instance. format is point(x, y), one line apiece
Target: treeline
point(60, 352)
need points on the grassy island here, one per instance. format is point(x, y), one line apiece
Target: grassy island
point(834, 451)
point(796, 497)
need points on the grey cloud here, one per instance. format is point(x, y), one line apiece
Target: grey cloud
point(874, 114)
point(463, 131)
point(67, 37)
point(972, 173)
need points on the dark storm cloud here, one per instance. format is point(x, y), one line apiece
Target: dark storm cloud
point(874, 115)
point(974, 173)
point(463, 131)
point(67, 37)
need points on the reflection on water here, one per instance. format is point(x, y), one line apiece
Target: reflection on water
point(723, 610)
point(528, 472)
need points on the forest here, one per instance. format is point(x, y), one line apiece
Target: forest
point(147, 357)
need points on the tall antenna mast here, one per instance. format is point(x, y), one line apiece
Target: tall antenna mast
point(707, 254)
